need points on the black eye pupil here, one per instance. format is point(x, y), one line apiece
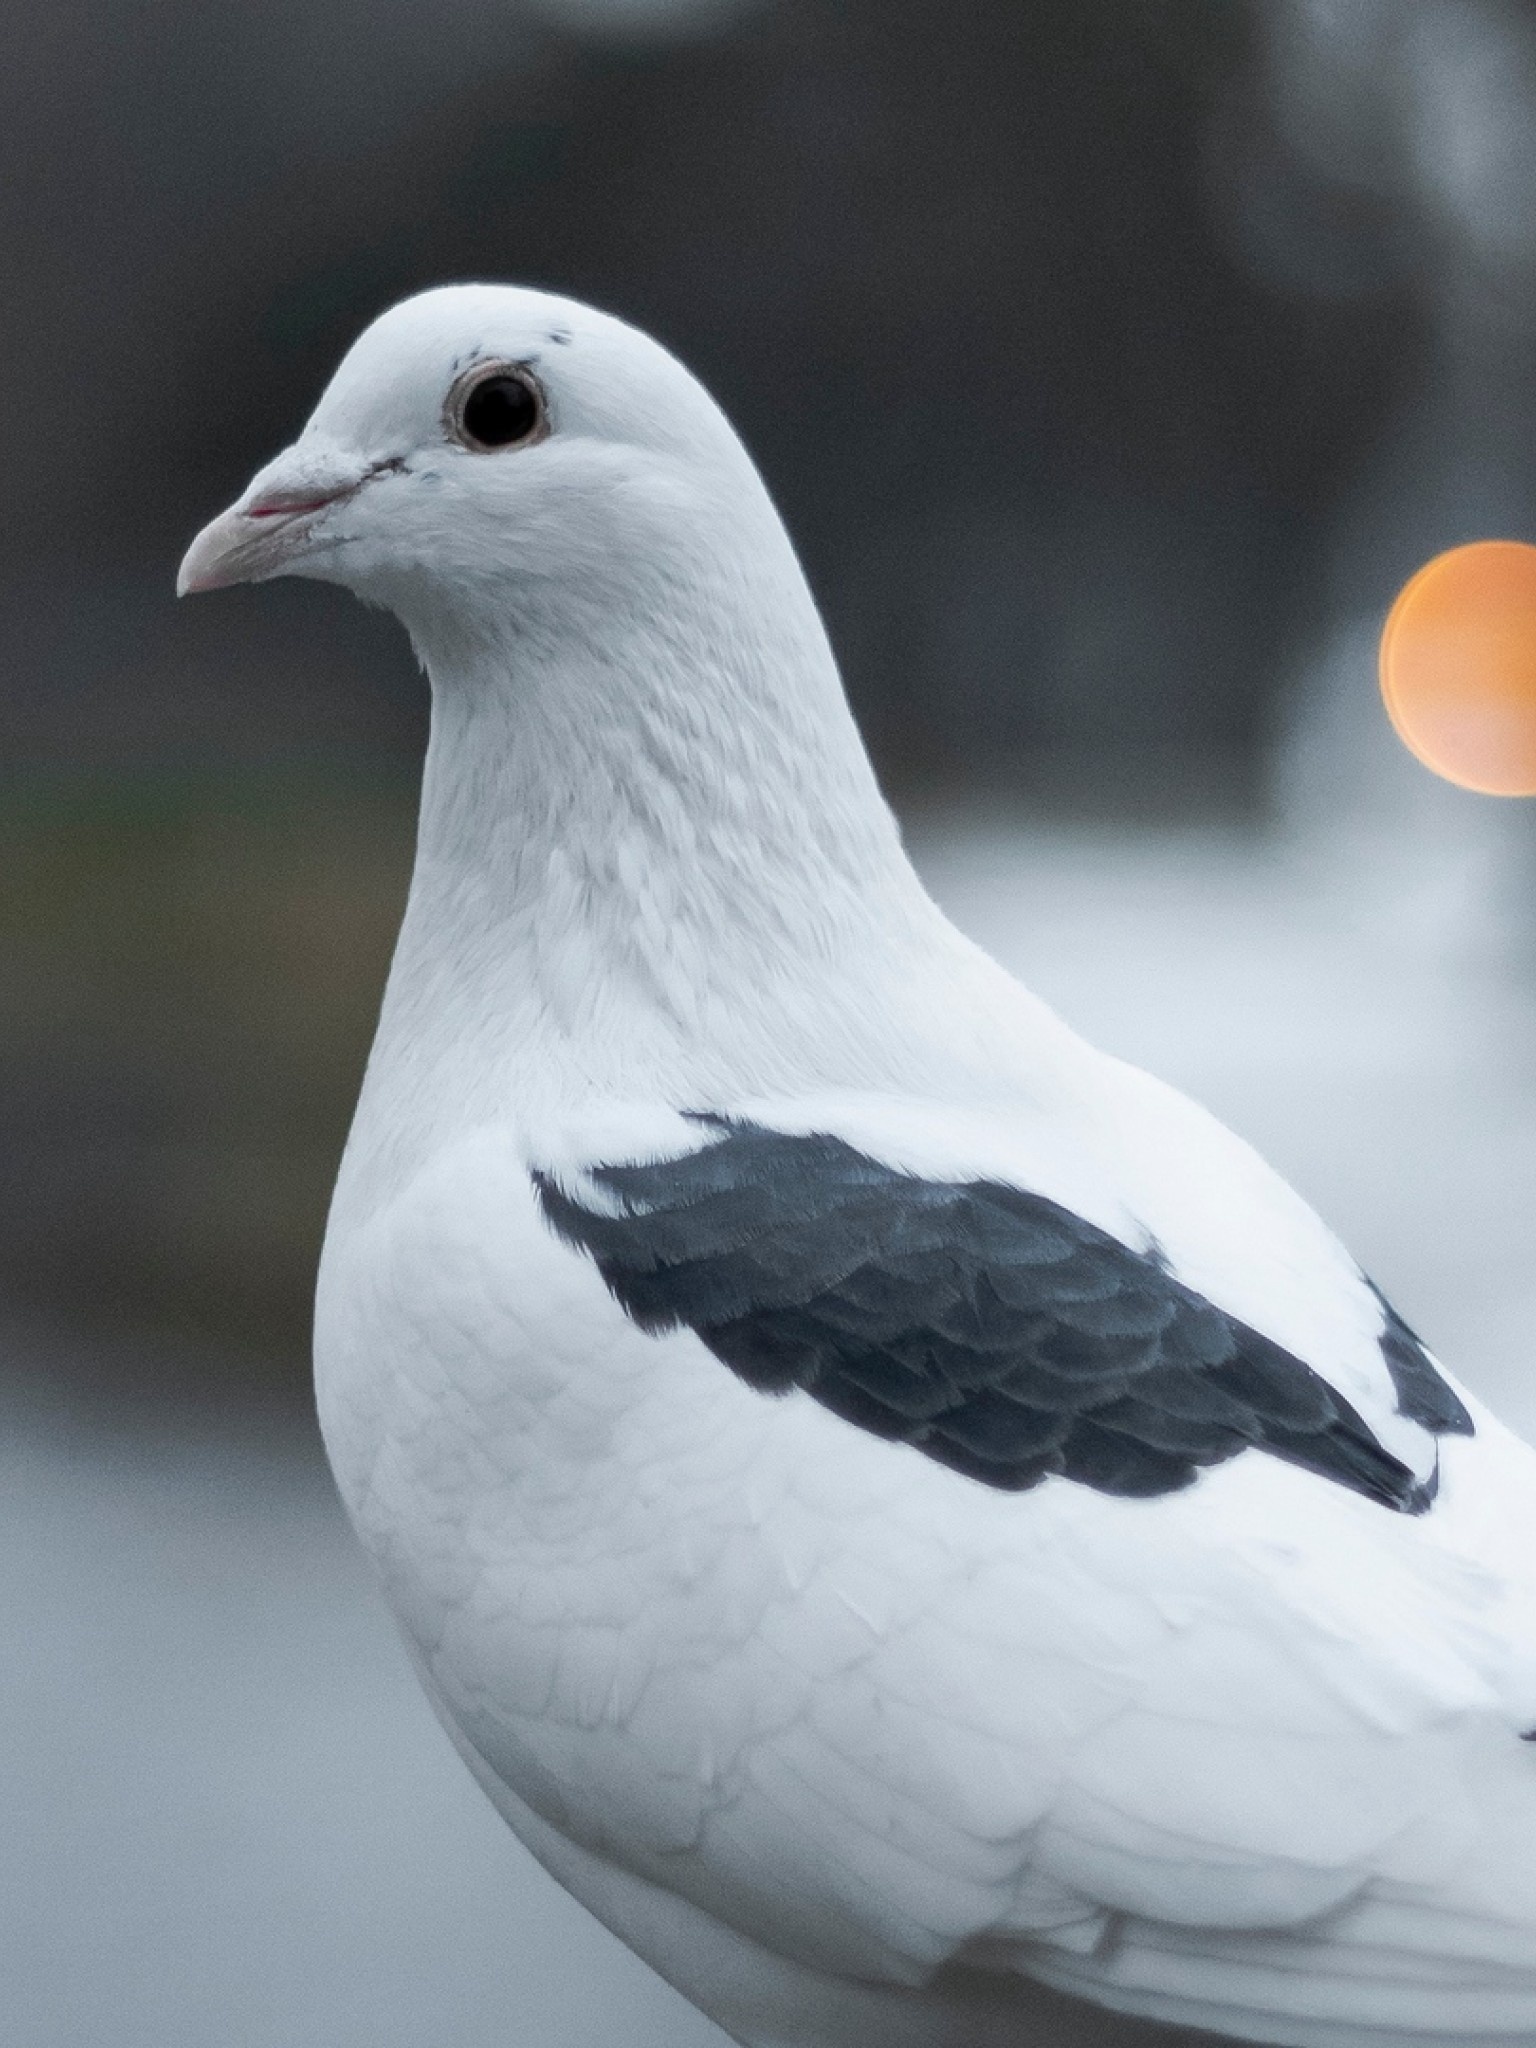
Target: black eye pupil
point(500, 411)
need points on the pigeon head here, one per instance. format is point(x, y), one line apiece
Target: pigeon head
point(624, 657)
point(483, 446)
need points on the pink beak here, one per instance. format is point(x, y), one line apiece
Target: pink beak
point(273, 526)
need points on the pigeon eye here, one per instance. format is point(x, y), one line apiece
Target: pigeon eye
point(497, 405)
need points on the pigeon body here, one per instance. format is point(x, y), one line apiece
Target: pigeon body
point(913, 1523)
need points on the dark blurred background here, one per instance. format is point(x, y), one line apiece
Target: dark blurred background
point(1112, 361)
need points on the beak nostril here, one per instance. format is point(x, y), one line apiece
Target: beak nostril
point(286, 508)
point(289, 504)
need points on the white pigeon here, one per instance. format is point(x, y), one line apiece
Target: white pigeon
point(908, 1518)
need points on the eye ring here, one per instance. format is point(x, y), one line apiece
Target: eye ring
point(496, 407)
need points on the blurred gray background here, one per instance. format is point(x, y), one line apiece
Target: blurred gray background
point(1112, 360)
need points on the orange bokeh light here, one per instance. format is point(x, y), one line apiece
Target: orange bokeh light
point(1458, 666)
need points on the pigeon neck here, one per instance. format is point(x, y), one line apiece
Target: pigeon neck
point(637, 846)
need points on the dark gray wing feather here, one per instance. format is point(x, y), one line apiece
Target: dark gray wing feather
point(990, 1328)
